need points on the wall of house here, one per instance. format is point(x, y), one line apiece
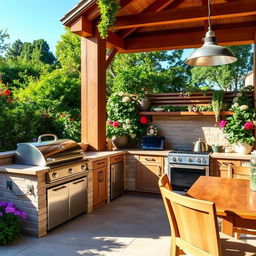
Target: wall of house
point(181, 131)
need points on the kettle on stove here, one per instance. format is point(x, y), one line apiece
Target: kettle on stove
point(200, 146)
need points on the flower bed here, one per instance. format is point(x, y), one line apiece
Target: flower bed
point(10, 218)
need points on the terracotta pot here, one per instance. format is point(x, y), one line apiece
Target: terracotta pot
point(242, 148)
point(120, 141)
point(144, 104)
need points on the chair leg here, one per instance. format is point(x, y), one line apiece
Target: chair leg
point(174, 250)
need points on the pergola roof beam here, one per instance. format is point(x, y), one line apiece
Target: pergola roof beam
point(167, 40)
point(184, 15)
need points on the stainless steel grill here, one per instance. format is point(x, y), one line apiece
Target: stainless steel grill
point(46, 153)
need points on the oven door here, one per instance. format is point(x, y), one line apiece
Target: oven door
point(183, 176)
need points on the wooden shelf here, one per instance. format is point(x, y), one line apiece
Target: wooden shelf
point(184, 113)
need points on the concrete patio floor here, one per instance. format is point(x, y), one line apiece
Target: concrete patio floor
point(129, 226)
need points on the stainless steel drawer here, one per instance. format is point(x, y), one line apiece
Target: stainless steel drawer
point(77, 197)
point(58, 205)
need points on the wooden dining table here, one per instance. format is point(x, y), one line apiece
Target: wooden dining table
point(234, 200)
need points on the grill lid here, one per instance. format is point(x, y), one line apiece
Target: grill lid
point(42, 153)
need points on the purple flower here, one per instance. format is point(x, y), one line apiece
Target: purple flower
point(223, 123)
point(3, 204)
point(1, 214)
point(23, 215)
point(10, 209)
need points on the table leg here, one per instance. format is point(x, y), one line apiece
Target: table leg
point(227, 225)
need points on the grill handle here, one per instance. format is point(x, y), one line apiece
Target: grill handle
point(47, 135)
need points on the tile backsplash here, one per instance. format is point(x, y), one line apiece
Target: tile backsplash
point(182, 131)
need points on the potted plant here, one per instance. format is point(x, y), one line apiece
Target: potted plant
point(10, 218)
point(123, 122)
point(216, 148)
point(239, 127)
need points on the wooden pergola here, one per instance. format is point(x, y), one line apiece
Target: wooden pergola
point(147, 25)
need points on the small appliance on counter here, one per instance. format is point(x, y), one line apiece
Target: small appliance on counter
point(153, 142)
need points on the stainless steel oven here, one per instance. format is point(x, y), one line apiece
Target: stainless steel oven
point(183, 176)
point(185, 167)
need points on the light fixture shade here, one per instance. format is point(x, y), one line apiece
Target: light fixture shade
point(210, 54)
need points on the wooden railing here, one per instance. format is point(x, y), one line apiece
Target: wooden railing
point(185, 99)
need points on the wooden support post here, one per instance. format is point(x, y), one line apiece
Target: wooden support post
point(93, 92)
point(254, 72)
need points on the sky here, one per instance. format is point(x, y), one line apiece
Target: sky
point(29, 20)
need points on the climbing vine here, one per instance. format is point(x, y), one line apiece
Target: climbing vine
point(108, 11)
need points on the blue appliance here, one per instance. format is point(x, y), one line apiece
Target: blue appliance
point(153, 142)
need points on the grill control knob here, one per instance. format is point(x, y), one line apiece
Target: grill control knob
point(179, 159)
point(70, 170)
point(174, 159)
point(190, 159)
point(204, 160)
point(55, 175)
point(199, 160)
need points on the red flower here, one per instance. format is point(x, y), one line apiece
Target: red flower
point(72, 119)
point(62, 114)
point(10, 100)
point(7, 92)
point(223, 123)
point(248, 125)
point(116, 124)
point(143, 119)
point(110, 122)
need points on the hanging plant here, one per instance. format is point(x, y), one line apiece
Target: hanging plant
point(108, 11)
point(217, 103)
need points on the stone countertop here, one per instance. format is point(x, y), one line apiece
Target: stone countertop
point(7, 154)
point(91, 155)
point(234, 156)
point(23, 169)
point(138, 151)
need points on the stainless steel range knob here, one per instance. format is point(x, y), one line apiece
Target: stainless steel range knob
point(174, 159)
point(190, 159)
point(204, 160)
point(70, 170)
point(55, 175)
point(199, 160)
point(179, 159)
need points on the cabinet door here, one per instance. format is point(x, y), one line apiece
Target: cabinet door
point(99, 185)
point(96, 190)
point(103, 184)
point(147, 176)
point(221, 166)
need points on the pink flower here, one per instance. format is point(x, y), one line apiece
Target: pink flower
point(223, 123)
point(110, 122)
point(248, 125)
point(116, 124)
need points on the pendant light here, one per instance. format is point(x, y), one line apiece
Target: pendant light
point(210, 54)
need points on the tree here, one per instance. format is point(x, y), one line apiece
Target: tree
point(161, 71)
point(68, 51)
point(41, 52)
point(226, 77)
point(37, 52)
point(3, 45)
point(15, 50)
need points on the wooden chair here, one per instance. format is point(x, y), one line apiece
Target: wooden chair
point(194, 227)
point(240, 172)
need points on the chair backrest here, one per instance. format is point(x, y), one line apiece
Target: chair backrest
point(193, 222)
point(239, 172)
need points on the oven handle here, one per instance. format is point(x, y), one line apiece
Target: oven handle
point(188, 166)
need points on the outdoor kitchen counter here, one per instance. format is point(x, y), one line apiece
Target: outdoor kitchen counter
point(23, 169)
point(137, 151)
point(91, 155)
point(234, 156)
